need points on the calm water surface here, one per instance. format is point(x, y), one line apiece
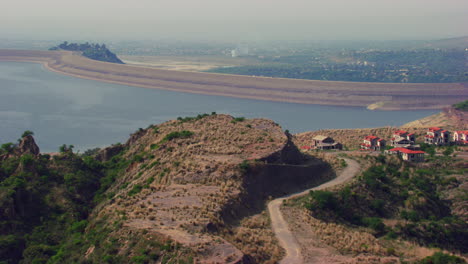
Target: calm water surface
point(67, 110)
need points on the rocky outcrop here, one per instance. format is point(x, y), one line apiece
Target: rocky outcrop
point(27, 145)
point(109, 152)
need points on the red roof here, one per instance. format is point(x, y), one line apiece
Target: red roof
point(407, 151)
point(306, 147)
point(462, 132)
point(399, 132)
point(432, 129)
point(381, 139)
point(429, 136)
point(443, 131)
point(370, 137)
point(411, 134)
point(364, 144)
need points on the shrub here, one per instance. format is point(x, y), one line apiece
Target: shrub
point(374, 223)
point(441, 258)
point(238, 119)
point(244, 166)
point(322, 200)
point(135, 190)
point(178, 134)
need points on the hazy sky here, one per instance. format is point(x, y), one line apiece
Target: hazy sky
point(234, 20)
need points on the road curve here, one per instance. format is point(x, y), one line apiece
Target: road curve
point(280, 226)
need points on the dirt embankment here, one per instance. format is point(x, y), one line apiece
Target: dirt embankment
point(384, 96)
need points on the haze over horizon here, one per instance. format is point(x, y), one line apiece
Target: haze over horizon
point(242, 20)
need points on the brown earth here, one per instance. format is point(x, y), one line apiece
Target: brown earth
point(194, 191)
point(385, 96)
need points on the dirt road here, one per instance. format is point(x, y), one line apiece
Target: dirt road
point(280, 226)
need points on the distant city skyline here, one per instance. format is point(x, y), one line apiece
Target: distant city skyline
point(240, 20)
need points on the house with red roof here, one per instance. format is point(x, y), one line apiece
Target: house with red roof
point(460, 137)
point(402, 138)
point(408, 154)
point(437, 136)
point(373, 143)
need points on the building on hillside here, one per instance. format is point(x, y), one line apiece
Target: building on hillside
point(401, 138)
point(460, 137)
point(373, 143)
point(437, 136)
point(408, 154)
point(325, 143)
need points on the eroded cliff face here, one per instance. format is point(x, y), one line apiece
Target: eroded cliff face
point(192, 179)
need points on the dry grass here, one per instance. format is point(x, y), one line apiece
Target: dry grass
point(187, 183)
point(255, 237)
point(393, 96)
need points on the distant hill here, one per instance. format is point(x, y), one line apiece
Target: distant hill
point(92, 51)
point(451, 117)
point(449, 43)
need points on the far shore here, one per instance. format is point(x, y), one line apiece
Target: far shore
point(381, 96)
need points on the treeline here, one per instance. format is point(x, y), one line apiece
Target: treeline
point(45, 200)
point(422, 66)
point(93, 51)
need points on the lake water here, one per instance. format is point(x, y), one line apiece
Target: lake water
point(65, 110)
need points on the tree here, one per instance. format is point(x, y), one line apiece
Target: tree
point(448, 151)
point(27, 133)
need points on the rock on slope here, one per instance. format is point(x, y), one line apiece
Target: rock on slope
point(191, 179)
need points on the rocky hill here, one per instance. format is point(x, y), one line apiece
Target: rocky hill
point(191, 189)
point(451, 118)
point(92, 51)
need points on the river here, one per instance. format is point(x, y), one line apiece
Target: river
point(61, 109)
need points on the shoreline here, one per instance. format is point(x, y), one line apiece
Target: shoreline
point(374, 96)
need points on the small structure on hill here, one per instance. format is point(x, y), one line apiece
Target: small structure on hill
point(437, 136)
point(373, 143)
point(325, 143)
point(460, 137)
point(408, 154)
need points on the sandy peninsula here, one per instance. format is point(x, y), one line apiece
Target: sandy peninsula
point(382, 96)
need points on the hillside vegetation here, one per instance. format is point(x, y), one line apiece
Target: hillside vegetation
point(92, 51)
point(393, 208)
point(192, 189)
point(45, 204)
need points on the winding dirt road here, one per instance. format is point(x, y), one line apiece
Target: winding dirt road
point(280, 226)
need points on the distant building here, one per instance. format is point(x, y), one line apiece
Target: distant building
point(408, 154)
point(325, 143)
point(241, 50)
point(401, 137)
point(437, 136)
point(373, 143)
point(460, 137)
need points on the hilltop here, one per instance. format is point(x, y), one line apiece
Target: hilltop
point(92, 51)
point(192, 189)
